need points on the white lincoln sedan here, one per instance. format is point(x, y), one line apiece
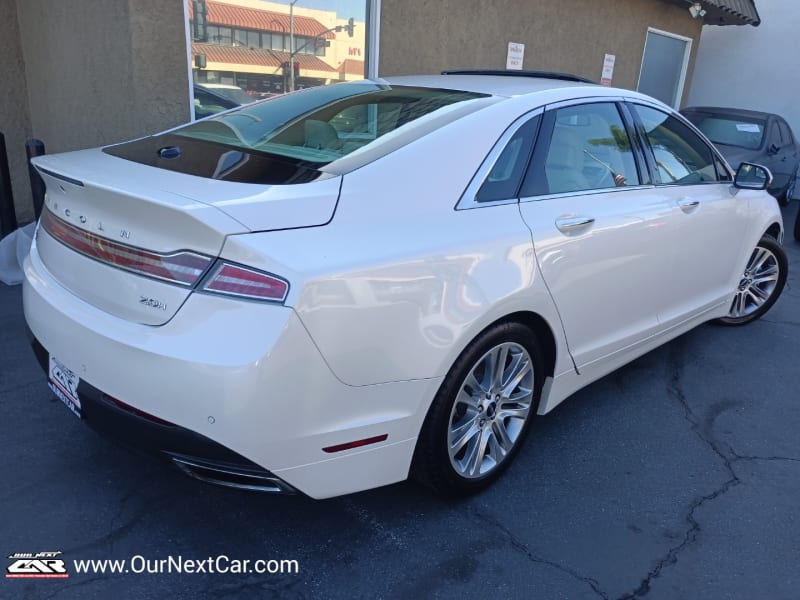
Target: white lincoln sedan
point(328, 291)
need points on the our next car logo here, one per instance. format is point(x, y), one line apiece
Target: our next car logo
point(39, 565)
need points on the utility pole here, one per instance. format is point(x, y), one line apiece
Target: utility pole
point(291, 44)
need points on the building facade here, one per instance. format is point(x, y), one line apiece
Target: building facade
point(81, 73)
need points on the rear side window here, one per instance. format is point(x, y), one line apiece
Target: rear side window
point(503, 180)
point(681, 156)
point(786, 133)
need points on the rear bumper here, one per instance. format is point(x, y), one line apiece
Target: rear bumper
point(194, 454)
point(242, 382)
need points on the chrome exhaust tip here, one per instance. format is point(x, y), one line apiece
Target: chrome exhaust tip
point(241, 477)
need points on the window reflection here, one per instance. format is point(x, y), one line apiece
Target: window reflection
point(268, 48)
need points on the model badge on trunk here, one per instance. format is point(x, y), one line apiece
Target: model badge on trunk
point(152, 302)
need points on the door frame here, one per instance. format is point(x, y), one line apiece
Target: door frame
point(684, 66)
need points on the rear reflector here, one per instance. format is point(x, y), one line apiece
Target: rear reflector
point(139, 413)
point(183, 268)
point(233, 280)
point(356, 444)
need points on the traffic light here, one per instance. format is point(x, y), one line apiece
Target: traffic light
point(349, 27)
point(285, 66)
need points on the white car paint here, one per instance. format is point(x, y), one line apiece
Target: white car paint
point(389, 283)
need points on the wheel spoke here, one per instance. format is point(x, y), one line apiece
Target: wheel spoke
point(765, 278)
point(502, 440)
point(462, 435)
point(521, 369)
point(758, 295)
point(464, 397)
point(473, 383)
point(476, 458)
point(514, 413)
point(759, 256)
point(500, 356)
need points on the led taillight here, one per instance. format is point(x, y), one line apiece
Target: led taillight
point(183, 268)
point(234, 280)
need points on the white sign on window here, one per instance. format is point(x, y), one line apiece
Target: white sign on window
point(608, 69)
point(516, 53)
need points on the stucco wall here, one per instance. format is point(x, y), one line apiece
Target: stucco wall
point(15, 121)
point(427, 36)
point(752, 67)
point(102, 71)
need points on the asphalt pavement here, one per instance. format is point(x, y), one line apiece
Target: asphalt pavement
point(675, 477)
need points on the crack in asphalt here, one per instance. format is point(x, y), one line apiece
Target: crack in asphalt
point(523, 549)
point(738, 457)
point(703, 430)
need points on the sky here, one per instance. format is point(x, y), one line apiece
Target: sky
point(344, 8)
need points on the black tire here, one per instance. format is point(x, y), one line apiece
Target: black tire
point(762, 283)
point(783, 196)
point(797, 226)
point(480, 409)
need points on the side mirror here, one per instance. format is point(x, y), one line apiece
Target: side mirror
point(773, 149)
point(750, 176)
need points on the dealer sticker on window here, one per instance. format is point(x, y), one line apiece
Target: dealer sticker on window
point(64, 384)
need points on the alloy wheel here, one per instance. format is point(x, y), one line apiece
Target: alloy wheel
point(490, 410)
point(758, 283)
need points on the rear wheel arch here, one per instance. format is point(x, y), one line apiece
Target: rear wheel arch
point(543, 333)
point(540, 327)
point(774, 231)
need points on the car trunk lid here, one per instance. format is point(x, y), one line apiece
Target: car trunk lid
point(138, 238)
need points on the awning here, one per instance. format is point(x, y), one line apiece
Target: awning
point(725, 12)
point(258, 60)
point(221, 13)
point(731, 12)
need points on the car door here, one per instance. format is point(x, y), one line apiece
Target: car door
point(776, 156)
point(602, 239)
point(709, 221)
point(786, 157)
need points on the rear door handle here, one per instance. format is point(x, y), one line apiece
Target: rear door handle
point(570, 224)
point(688, 205)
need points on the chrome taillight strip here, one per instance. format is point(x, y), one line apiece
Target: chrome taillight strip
point(182, 268)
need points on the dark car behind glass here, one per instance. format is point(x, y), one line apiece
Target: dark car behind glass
point(209, 99)
point(752, 136)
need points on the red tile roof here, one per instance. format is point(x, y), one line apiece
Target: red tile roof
point(240, 55)
point(230, 15)
point(350, 66)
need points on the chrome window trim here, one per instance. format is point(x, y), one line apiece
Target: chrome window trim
point(586, 100)
point(612, 190)
point(468, 197)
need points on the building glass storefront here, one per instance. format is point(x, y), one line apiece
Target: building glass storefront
point(267, 48)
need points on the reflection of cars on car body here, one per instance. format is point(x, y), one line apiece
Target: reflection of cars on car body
point(272, 303)
point(211, 98)
point(752, 136)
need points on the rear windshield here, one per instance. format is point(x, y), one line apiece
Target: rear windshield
point(731, 131)
point(297, 137)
